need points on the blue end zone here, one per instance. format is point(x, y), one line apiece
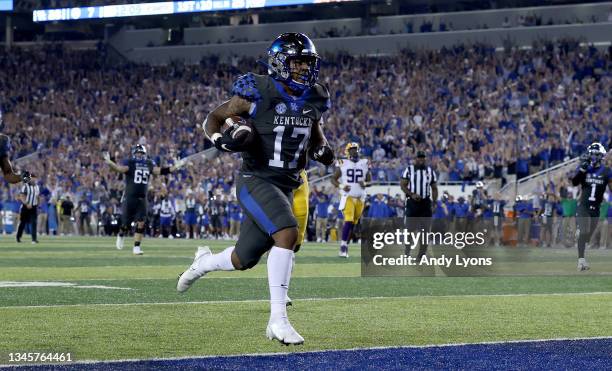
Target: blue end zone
point(589, 354)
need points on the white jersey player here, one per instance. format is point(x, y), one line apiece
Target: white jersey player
point(351, 177)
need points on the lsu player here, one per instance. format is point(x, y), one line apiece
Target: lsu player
point(300, 211)
point(351, 177)
point(300, 208)
point(285, 107)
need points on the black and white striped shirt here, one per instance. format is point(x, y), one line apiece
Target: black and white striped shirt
point(31, 193)
point(420, 180)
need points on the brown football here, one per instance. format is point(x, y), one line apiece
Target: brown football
point(243, 131)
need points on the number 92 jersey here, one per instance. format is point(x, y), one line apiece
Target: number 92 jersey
point(353, 173)
point(137, 177)
point(283, 124)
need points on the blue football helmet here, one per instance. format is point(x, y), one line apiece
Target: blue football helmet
point(293, 46)
point(139, 152)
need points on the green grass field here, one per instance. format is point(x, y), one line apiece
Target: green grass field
point(107, 304)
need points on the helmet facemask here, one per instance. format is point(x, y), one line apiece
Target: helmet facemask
point(139, 152)
point(352, 151)
point(596, 158)
point(289, 70)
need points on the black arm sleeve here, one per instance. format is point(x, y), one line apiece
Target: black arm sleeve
point(164, 170)
point(578, 178)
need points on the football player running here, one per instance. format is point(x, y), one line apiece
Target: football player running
point(138, 170)
point(351, 177)
point(285, 107)
point(593, 177)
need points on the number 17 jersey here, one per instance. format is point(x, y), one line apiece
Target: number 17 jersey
point(283, 124)
point(137, 177)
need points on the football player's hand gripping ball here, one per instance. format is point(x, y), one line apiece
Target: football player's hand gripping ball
point(238, 136)
point(324, 155)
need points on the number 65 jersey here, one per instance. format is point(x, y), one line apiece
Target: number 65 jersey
point(283, 124)
point(137, 177)
point(352, 174)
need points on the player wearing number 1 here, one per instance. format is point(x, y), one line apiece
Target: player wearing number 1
point(285, 108)
point(138, 170)
point(593, 177)
point(352, 177)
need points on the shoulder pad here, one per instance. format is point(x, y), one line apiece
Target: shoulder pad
point(246, 87)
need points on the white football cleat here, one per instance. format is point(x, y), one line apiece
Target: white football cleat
point(283, 332)
point(119, 243)
point(187, 278)
point(137, 251)
point(583, 265)
point(343, 254)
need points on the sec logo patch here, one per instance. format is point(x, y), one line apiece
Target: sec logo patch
point(280, 108)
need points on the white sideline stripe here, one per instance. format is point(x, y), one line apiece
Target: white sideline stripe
point(282, 354)
point(4, 284)
point(174, 278)
point(307, 299)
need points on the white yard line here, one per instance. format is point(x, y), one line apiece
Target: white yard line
point(309, 299)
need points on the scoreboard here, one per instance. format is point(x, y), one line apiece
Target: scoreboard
point(6, 5)
point(168, 7)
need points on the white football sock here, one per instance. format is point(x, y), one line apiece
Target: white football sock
point(292, 263)
point(218, 262)
point(290, 274)
point(279, 275)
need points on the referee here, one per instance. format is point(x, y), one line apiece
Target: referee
point(419, 184)
point(29, 199)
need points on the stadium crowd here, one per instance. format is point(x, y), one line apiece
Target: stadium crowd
point(479, 113)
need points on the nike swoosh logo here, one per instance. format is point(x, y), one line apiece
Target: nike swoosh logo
point(306, 111)
point(224, 146)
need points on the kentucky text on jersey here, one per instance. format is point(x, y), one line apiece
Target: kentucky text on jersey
point(592, 180)
point(292, 121)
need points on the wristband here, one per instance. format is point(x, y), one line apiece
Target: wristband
point(215, 136)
